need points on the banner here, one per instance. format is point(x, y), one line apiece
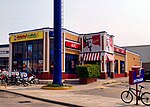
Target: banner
point(91, 43)
point(26, 36)
point(109, 43)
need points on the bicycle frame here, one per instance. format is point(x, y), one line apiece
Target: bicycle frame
point(133, 91)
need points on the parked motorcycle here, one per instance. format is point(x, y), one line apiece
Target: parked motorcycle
point(22, 81)
point(33, 80)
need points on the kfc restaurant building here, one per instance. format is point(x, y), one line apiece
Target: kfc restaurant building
point(32, 51)
point(98, 48)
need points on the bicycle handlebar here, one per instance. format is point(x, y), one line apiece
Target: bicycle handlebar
point(141, 86)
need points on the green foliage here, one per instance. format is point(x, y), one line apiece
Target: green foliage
point(88, 71)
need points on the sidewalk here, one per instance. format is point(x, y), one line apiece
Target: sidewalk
point(72, 97)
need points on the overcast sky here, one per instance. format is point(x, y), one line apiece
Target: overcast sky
point(127, 20)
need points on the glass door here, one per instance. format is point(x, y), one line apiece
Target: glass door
point(108, 68)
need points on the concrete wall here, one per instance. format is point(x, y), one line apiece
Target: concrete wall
point(143, 51)
point(4, 51)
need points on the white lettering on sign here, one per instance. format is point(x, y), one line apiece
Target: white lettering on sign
point(138, 80)
point(73, 45)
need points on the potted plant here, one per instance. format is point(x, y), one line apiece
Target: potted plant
point(88, 73)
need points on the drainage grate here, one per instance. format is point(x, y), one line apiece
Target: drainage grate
point(24, 101)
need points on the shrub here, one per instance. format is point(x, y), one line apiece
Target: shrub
point(88, 71)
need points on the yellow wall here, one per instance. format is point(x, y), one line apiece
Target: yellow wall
point(119, 57)
point(132, 60)
point(71, 37)
point(72, 52)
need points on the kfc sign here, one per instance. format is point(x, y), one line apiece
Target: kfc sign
point(91, 43)
point(120, 50)
point(96, 40)
point(73, 45)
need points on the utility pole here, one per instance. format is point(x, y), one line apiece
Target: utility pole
point(57, 77)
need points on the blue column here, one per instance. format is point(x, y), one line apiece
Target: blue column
point(57, 79)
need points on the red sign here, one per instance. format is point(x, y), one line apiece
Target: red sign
point(72, 45)
point(109, 41)
point(96, 40)
point(120, 50)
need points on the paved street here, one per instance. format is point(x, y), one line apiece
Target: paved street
point(13, 100)
point(103, 93)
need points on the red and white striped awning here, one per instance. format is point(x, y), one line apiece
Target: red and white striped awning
point(93, 56)
point(110, 57)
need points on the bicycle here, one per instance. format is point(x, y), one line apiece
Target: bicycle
point(127, 96)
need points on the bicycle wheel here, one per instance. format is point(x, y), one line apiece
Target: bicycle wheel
point(126, 97)
point(145, 98)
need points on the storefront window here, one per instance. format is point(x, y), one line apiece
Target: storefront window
point(30, 51)
point(28, 56)
point(35, 50)
point(40, 50)
point(51, 50)
point(4, 63)
point(20, 48)
point(122, 67)
point(70, 63)
point(116, 66)
point(24, 53)
point(51, 55)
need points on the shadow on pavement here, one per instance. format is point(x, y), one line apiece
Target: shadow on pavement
point(72, 82)
point(45, 100)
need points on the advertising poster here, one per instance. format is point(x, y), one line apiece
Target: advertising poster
point(109, 43)
point(91, 43)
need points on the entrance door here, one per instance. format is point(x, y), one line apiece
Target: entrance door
point(108, 68)
point(70, 63)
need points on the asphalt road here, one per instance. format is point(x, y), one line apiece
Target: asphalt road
point(112, 90)
point(12, 100)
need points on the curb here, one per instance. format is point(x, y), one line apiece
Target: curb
point(56, 88)
point(42, 99)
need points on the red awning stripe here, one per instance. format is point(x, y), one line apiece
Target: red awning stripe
point(98, 57)
point(87, 57)
point(110, 57)
point(91, 56)
point(84, 56)
point(95, 57)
